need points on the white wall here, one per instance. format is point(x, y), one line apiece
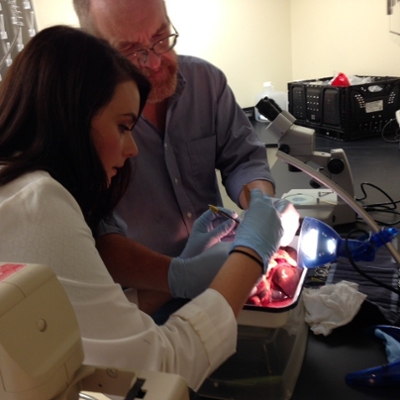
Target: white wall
point(351, 36)
point(53, 12)
point(279, 40)
point(248, 39)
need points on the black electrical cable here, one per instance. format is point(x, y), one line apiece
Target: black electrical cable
point(377, 188)
point(359, 270)
point(383, 207)
point(382, 223)
point(396, 134)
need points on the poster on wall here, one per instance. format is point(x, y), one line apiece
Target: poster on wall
point(17, 26)
point(393, 10)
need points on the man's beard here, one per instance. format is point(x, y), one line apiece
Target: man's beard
point(161, 90)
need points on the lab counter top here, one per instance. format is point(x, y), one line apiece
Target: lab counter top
point(328, 359)
point(347, 349)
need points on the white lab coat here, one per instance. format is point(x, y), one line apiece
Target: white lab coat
point(40, 222)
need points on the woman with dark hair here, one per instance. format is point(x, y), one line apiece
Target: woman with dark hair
point(48, 101)
point(68, 105)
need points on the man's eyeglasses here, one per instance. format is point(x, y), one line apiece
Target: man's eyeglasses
point(160, 47)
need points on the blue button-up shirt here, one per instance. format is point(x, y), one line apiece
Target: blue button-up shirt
point(174, 178)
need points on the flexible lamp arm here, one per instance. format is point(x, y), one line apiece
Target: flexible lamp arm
point(341, 193)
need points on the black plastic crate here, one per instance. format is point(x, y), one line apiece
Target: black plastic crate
point(345, 113)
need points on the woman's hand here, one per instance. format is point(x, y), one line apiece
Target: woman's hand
point(209, 229)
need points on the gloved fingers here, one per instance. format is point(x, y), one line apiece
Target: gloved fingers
point(230, 237)
point(261, 227)
point(199, 238)
point(189, 277)
point(210, 219)
point(218, 225)
point(391, 344)
point(261, 207)
point(281, 205)
point(290, 219)
point(202, 223)
point(208, 230)
point(256, 195)
point(225, 232)
point(226, 228)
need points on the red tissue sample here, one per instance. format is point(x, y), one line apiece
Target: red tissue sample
point(280, 283)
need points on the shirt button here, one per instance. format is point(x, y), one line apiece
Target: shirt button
point(189, 215)
point(165, 146)
point(176, 181)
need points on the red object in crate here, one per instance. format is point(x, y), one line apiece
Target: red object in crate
point(340, 80)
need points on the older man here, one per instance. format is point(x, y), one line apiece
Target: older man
point(190, 127)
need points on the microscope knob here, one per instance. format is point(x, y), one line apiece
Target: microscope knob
point(336, 166)
point(284, 148)
point(314, 184)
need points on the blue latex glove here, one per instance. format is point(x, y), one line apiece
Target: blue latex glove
point(392, 345)
point(261, 228)
point(387, 375)
point(189, 277)
point(208, 230)
point(290, 220)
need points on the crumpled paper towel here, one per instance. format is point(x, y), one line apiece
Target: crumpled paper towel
point(331, 306)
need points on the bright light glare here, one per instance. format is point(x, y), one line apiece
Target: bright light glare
point(331, 246)
point(309, 244)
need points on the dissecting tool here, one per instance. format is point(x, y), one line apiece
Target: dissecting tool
point(218, 211)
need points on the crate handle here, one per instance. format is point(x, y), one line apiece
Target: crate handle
point(375, 88)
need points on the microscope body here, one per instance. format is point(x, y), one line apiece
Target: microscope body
point(299, 142)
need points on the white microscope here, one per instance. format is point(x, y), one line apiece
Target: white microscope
point(299, 142)
point(41, 350)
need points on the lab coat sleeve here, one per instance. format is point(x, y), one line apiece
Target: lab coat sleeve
point(51, 230)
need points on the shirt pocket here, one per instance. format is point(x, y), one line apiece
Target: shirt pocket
point(201, 153)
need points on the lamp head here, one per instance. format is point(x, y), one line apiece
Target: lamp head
point(320, 244)
point(317, 244)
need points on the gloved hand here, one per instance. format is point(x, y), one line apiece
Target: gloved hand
point(290, 220)
point(261, 228)
point(208, 230)
point(392, 345)
point(189, 277)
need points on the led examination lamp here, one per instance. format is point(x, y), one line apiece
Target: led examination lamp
point(319, 244)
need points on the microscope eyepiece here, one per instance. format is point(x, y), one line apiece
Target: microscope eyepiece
point(268, 108)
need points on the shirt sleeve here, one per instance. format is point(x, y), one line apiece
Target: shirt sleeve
point(115, 333)
point(244, 156)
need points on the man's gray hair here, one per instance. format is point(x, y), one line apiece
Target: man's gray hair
point(82, 9)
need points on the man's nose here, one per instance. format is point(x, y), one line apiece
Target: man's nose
point(153, 60)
